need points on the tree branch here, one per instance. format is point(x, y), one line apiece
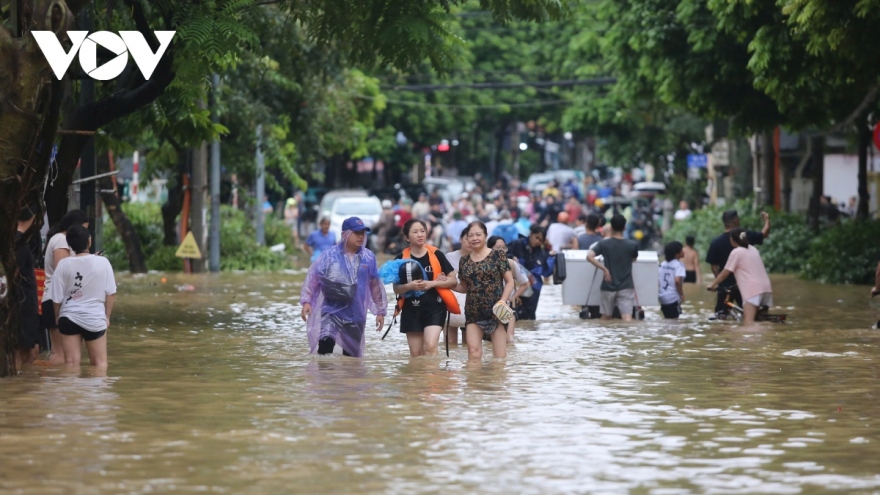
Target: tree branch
point(869, 98)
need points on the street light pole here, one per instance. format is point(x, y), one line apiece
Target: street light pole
point(214, 260)
point(260, 189)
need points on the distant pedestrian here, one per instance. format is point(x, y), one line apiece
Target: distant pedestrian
point(618, 255)
point(83, 291)
point(320, 240)
point(340, 287)
point(672, 274)
point(560, 235)
point(291, 218)
point(590, 235)
point(684, 211)
point(454, 230)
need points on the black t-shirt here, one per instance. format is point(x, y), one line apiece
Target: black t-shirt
point(429, 299)
point(720, 249)
point(27, 281)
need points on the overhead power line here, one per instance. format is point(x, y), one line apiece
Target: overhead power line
point(536, 103)
point(421, 88)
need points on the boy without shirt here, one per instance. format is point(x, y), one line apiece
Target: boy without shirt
point(691, 262)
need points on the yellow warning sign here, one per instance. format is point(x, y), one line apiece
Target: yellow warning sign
point(189, 248)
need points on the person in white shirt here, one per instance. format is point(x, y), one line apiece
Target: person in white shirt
point(457, 321)
point(672, 274)
point(521, 281)
point(56, 250)
point(560, 235)
point(83, 290)
point(684, 212)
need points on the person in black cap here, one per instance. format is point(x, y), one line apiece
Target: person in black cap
point(719, 251)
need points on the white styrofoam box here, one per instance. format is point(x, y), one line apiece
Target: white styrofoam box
point(583, 279)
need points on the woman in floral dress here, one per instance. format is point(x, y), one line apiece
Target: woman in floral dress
point(485, 277)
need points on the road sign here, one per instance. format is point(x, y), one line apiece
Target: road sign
point(721, 153)
point(189, 248)
point(698, 161)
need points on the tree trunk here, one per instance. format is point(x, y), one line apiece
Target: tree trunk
point(198, 212)
point(768, 172)
point(172, 207)
point(818, 160)
point(136, 261)
point(864, 142)
point(30, 100)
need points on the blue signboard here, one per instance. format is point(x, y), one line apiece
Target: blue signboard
point(698, 161)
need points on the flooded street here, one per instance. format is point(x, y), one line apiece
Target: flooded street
point(214, 391)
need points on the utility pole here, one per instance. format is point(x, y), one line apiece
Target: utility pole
point(260, 190)
point(198, 212)
point(214, 261)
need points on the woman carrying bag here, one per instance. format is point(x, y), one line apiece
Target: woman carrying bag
point(486, 278)
point(422, 318)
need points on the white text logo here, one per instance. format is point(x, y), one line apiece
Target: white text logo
point(87, 45)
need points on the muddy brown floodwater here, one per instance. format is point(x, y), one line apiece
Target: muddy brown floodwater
point(214, 391)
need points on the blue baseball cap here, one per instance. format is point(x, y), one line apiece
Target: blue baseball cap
point(354, 224)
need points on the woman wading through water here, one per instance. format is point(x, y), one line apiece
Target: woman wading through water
point(486, 278)
point(422, 318)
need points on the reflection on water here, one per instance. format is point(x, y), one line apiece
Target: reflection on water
point(214, 391)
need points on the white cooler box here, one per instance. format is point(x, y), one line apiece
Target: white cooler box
point(580, 274)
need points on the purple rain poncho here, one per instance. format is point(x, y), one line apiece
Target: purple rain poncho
point(341, 288)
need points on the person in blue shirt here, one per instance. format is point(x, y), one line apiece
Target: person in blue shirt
point(320, 240)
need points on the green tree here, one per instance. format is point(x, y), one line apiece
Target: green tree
point(209, 35)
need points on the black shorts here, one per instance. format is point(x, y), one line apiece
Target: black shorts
point(416, 320)
point(67, 327)
point(28, 332)
point(671, 311)
point(690, 277)
point(48, 316)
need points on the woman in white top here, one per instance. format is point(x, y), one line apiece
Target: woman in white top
point(56, 250)
point(83, 290)
point(457, 321)
point(520, 281)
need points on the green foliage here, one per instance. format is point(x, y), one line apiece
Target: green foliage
point(238, 246)
point(146, 218)
point(845, 254)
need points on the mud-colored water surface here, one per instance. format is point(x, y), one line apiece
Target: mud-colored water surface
point(213, 391)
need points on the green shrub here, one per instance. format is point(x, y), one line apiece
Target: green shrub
point(238, 246)
point(847, 253)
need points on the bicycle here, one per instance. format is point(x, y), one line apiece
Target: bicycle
point(735, 312)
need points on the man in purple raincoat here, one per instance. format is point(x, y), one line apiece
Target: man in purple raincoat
point(342, 284)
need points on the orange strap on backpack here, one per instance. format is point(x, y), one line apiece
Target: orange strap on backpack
point(446, 295)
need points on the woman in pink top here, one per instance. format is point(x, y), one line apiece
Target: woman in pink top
point(746, 264)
